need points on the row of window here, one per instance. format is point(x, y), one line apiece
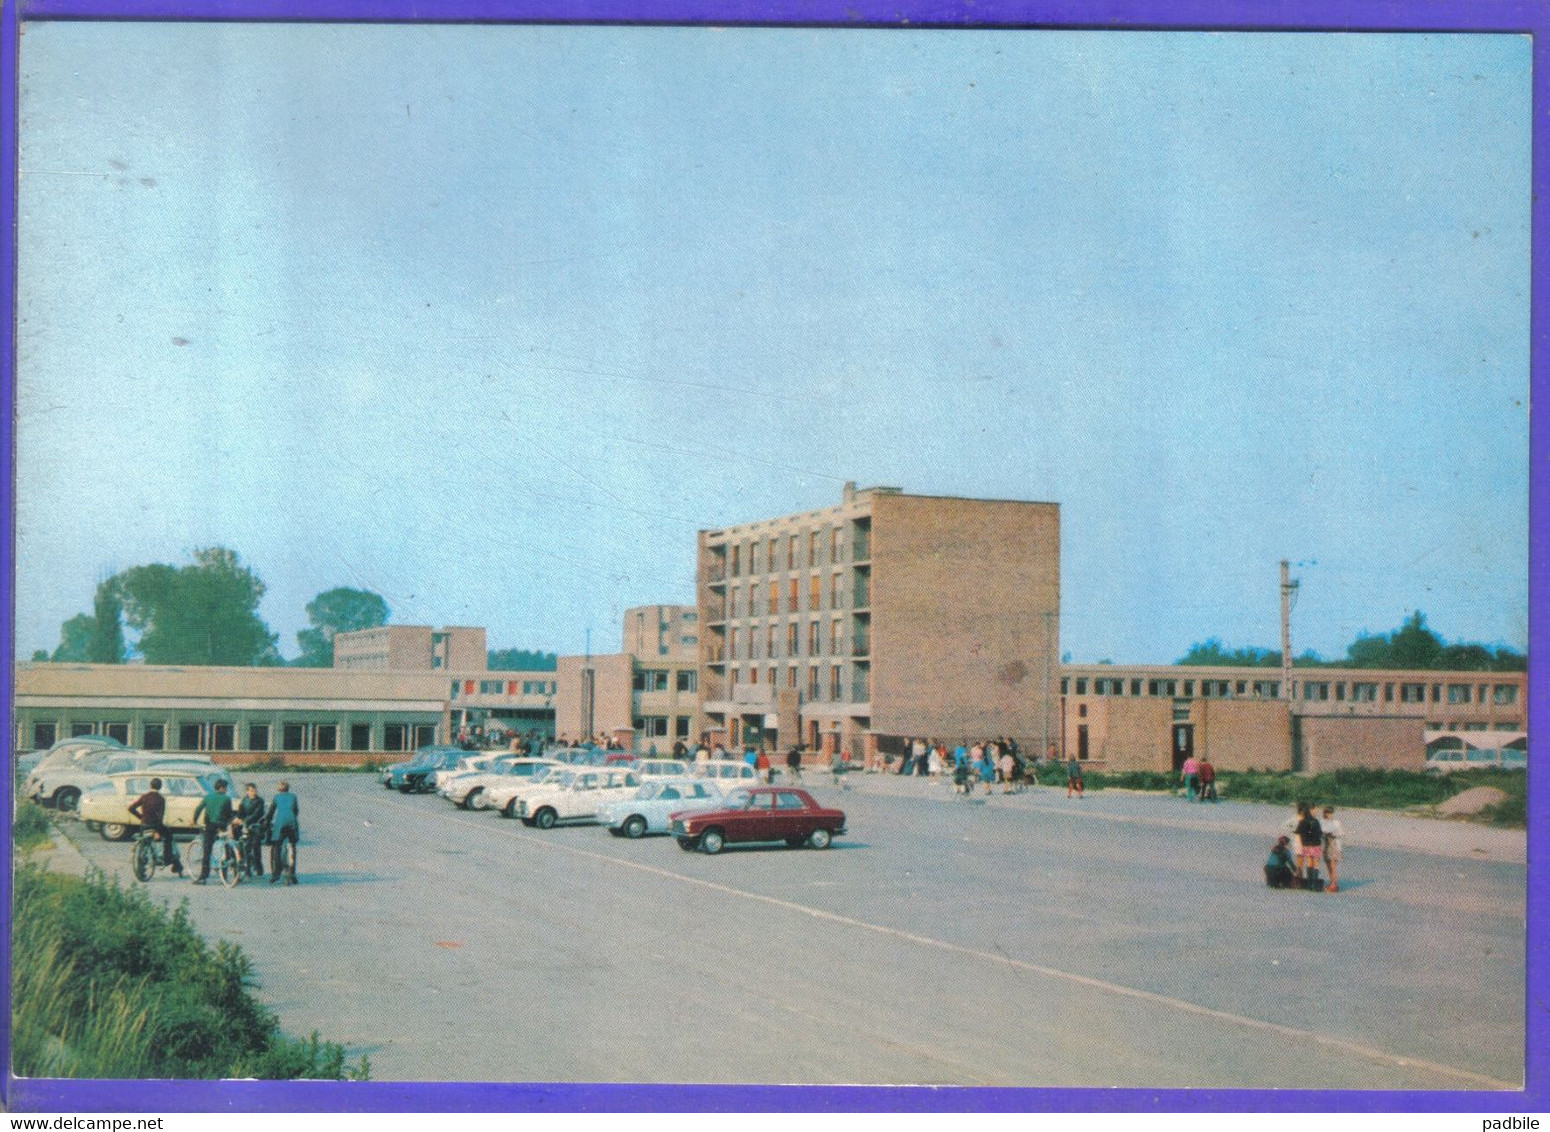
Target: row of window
point(770, 599)
point(1475, 725)
point(220, 736)
point(661, 680)
point(1318, 690)
point(655, 726)
point(502, 687)
point(761, 555)
point(860, 682)
point(764, 641)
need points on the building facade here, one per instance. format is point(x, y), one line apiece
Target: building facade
point(888, 616)
point(411, 648)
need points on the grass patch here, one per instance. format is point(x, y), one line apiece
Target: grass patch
point(108, 983)
point(31, 827)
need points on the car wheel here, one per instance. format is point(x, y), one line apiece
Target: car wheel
point(545, 818)
point(820, 839)
point(115, 831)
point(405, 788)
point(687, 844)
point(509, 810)
point(712, 840)
point(635, 827)
point(94, 826)
point(468, 802)
point(66, 799)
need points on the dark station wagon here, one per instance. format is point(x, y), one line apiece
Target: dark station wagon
point(772, 813)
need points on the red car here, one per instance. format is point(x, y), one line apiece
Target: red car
point(771, 813)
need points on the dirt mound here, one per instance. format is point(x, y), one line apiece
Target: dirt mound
point(1472, 801)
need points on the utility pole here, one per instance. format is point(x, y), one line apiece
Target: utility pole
point(1288, 592)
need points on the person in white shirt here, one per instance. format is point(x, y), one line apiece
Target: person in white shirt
point(1332, 837)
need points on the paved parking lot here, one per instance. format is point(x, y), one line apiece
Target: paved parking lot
point(1120, 940)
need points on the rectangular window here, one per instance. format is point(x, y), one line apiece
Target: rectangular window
point(753, 600)
point(755, 556)
point(1189, 687)
point(814, 592)
point(791, 596)
point(1458, 693)
point(793, 637)
point(1504, 694)
point(394, 735)
point(834, 637)
point(43, 736)
point(732, 643)
point(327, 735)
point(119, 731)
point(79, 729)
point(812, 682)
point(293, 737)
point(223, 736)
point(1436, 693)
point(753, 675)
point(1065, 685)
point(834, 589)
point(681, 727)
point(154, 737)
point(732, 682)
point(774, 598)
point(656, 726)
point(812, 548)
point(1152, 687)
point(1135, 687)
point(861, 680)
point(424, 735)
point(688, 680)
point(258, 736)
point(834, 682)
point(1412, 693)
point(1081, 685)
point(834, 544)
point(737, 559)
point(360, 736)
point(812, 638)
point(1388, 693)
point(791, 554)
point(188, 736)
point(753, 642)
point(771, 674)
point(737, 600)
point(1339, 690)
point(791, 676)
point(1364, 693)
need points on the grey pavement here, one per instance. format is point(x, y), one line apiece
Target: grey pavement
point(1120, 940)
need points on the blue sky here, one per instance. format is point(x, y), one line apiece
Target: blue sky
point(491, 319)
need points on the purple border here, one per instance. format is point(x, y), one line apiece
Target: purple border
point(1529, 16)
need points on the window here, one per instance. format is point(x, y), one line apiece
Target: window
point(651, 680)
point(785, 801)
point(753, 642)
point(1189, 687)
point(1151, 687)
point(1504, 694)
point(681, 727)
point(814, 592)
point(1436, 693)
point(791, 554)
point(793, 636)
point(223, 736)
point(834, 589)
point(771, 641)
point(326, 737)
point(737, 559)
point(655, 726)
point(154, 737)
point(861, 681)
point(188, 736)
point(774, 553)
point(1315, 690)
point(737, 600)
point(834, 544)
point(791, 596)
point(1081, 685)
point(812, 548)
point(424, 735)
point(812, 638)
point(1339, 690)
point(393, 736)
point(360, 736)
point(753, 599)
point(732, 642)
point(1458, 693)
point(293, 737)
point(1364, 693)
point(774, 598)
point(834, 682)
point(43, 735)
point(688, 680)
point(490, 687)
point(812, 682)
point(119, 731)
point(1135, 687)
point(1412, 693)
point(1388, 693)
point(755, 556)
point(753, 674)
point(791, 676)
point(79, 729)
point(772, 678)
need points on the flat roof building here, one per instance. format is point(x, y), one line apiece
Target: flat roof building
point(887, 616)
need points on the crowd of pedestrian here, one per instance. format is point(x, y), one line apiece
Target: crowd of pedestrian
point(1308, 841)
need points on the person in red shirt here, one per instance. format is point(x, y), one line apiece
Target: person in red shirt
point(151, 810)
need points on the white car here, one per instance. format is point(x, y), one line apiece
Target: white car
point(574, 795)
point(648, 811)
point(661, 768)
point(469, 764)
point(106, 804)
point(729, 773)
point(62, 752)
point(470, 791)
point(61, 785)
point(503, 797)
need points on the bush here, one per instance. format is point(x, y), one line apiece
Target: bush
point(30, 830)
point(109, 984)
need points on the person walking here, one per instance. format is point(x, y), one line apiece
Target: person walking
point(1005, 770)
point(284, 825)
point(794, 763)
point(215, 808)
point(1333, 832)
point(1207, 780)
point(1074, 777)
point(1189, 773)
point(987, 770)
point(151, 809)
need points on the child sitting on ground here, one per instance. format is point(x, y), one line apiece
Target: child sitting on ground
point(1278, 868)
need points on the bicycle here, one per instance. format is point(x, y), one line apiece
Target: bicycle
point(284, 860)
point(145, 855)
point(228, 858)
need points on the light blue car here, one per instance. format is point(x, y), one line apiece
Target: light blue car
point(649, 810)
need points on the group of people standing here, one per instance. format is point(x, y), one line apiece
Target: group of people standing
point(1199, 778)
point(1317, 840)
point(250, 825)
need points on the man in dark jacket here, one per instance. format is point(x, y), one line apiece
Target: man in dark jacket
point(250, 811)
point(284, 825)
point(151, 809)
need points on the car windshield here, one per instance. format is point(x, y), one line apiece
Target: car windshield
point(648, 791)
point(739, 800)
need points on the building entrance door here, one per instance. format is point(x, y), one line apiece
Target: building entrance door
point(753, 730)
point(1183, 743)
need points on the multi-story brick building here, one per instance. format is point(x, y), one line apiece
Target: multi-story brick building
point(887, 616)
point(411, 648)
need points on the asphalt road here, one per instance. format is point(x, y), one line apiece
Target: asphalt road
point(1121, 940)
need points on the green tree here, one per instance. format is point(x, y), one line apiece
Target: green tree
point(205, 613)
point(335, 611)
point(39, 655)
point(107, 639)
point(1413, 645)
point(522, 660)
point(1211, 652)
point(75, 637)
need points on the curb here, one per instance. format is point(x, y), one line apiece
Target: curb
point(65, 856)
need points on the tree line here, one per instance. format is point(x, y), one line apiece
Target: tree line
point(206, 613)
point(1412, 645)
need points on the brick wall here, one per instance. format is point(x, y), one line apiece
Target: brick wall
point(1332, 742)
point(1243, 734)
point(1127, 734)
point(959, 590)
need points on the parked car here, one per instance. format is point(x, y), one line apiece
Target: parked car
point(1471, 758)
point(469, 764)
point(417, 775)
point(660, 768)
point(470, 791)
point(66, 750)
point(772, 813)
point(652, 807)
point(729, 773)
point(504, 796)
point(107, 803)
point(574, 795)
point(61, 785)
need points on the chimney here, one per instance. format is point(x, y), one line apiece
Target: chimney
point(850, 492)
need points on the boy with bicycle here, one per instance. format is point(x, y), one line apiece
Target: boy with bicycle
point(284, 826)
point(151, 809)
point(250, 813)
point(216, 809)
